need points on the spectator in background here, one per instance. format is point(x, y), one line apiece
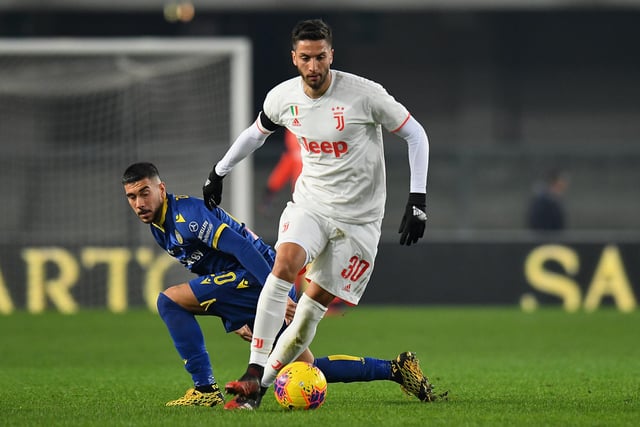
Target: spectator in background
point(285, 172)
point(546, 209)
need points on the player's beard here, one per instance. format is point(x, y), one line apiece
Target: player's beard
point(317, 83)
point(148, 216)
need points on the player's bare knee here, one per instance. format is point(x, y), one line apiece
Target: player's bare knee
point(318, 294)
point(286, 269)
point(183, 296)
point(285, 273)
point(172, 292)
point(290, 259)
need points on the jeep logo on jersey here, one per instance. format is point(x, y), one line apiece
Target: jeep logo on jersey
point(337, 148)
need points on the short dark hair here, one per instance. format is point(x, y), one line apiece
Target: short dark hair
point(139, 171)
point(554, 175)
point(311, 29)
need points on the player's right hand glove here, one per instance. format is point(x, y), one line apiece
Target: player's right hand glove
point(414, 219)
point(212, 189)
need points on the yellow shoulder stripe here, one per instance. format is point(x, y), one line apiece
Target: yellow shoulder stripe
point(217, 234)
point(345, 357)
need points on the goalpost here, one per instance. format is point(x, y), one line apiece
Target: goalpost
point(74, 113)
point(73, 110)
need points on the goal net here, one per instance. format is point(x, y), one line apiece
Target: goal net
point(74, 113)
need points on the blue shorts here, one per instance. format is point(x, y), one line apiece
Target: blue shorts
point(231, 295)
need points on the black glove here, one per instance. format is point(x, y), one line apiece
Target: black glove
point(212, 190)
point(413, 221)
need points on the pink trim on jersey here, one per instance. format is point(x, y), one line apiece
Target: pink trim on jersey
point(403, 123)
point(265, 131)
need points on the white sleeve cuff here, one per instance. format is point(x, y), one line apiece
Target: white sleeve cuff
point(418, 145)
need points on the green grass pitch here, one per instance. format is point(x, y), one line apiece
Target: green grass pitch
point(502, 367)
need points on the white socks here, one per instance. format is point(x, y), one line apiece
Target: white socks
point(295, 339)
point(270, 312)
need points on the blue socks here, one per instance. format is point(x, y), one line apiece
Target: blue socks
point(346, 369)
point(188, 340)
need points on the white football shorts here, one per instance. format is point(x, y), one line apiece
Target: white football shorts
point(340, 255)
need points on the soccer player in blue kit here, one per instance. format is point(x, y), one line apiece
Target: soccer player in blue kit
point(231, 263)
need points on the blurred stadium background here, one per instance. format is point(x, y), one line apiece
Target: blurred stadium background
point(506, 89)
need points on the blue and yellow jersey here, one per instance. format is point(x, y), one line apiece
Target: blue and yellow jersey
point(207, 242)
point(232, 262)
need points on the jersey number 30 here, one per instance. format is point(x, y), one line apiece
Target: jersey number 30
point(356, 269)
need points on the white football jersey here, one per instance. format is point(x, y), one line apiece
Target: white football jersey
point(340, 135)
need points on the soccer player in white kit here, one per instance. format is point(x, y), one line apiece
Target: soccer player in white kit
point(333, 224)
